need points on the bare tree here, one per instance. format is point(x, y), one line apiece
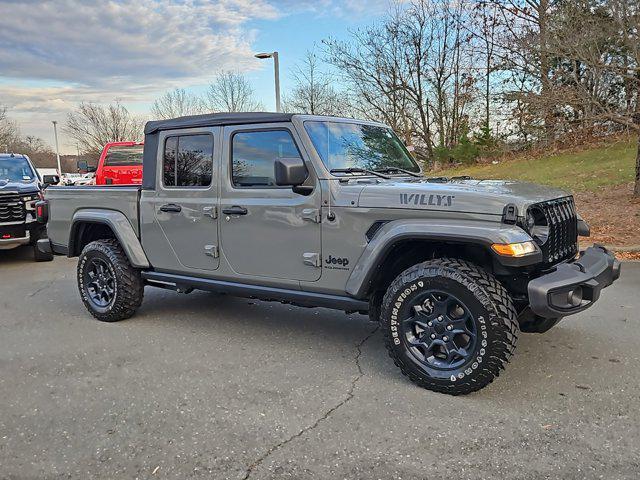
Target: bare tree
point(524, 57)
point(485, 30)
point(596, 45)
point(92, 125)
point(176, 103)
point(8, 129)
point(371, 66)
point(313, 92)
point(414, 71)
point(231, 92)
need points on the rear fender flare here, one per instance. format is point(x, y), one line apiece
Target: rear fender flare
point(121, 228)
point(476, 232)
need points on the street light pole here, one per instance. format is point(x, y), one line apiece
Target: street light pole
point(276, 68)
point(276, 71)
point(55, 134)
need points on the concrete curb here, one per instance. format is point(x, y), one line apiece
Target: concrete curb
point(617, 248)
point(629, 249)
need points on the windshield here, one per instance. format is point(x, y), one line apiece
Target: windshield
point(356, 145)
point(124, 156)
point(16, 169)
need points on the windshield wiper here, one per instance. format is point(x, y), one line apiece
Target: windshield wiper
point(397, 169)
point(359, 170)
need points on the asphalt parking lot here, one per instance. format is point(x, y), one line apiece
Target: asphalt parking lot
point(212, 386)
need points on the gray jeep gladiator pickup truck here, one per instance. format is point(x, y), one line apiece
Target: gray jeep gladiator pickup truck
point(333, 212)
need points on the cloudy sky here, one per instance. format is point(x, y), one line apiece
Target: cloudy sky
point(55, 54)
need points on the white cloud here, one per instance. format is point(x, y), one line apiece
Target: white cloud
point(55, 54)
point(339, 8)
point(127, 50)
point(131, 41)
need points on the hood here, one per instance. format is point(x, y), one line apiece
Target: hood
point(472, 196)
point(30, 186)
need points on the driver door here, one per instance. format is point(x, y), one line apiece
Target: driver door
point(267, 230)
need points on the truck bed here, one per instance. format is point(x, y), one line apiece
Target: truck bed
point(66, 202)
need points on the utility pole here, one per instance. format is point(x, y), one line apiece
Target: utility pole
point(55, 134)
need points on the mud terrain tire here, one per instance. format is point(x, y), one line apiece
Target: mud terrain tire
point(469, 301)
point(104, 267)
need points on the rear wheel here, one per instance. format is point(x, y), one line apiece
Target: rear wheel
point(449, 325)
point(110, 287)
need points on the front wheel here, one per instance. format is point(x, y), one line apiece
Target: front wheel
point(110, 287)
point(449, 325)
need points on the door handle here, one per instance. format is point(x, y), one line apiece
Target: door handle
point(171, 207)
point(235, 210)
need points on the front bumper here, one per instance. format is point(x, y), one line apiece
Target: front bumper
point(14, 234)
point(573, 286)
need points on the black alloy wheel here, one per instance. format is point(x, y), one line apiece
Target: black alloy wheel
point(100, 282)
point(440, 331)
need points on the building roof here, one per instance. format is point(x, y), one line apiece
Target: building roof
point(212, 119)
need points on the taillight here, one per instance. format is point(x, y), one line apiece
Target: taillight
point(42, 211)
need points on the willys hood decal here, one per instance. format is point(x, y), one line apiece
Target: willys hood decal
point(473, 196)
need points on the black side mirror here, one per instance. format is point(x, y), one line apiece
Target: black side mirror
point(50, 180)
point(290, 172)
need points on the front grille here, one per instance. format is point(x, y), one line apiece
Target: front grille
point(561, 242)
point(12, 209)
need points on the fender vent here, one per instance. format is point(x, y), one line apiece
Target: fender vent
point(373, 229)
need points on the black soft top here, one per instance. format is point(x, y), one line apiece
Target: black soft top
point(211, 119)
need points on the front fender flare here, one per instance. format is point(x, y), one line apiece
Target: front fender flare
point(450, 231)
point(121, 228)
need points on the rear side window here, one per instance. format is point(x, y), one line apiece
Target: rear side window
point(124, 156)
point(188, 161)
point(254, 153)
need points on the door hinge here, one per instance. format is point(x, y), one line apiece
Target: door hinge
point(312, 259)
point(210, 212)
point(311, 214)
point(211, 250)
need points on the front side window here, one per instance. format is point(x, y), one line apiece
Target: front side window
point(355, 145)
point(124, 156)
point(188, 161)
point(254, 154)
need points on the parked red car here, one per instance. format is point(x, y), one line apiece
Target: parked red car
point(120, 164)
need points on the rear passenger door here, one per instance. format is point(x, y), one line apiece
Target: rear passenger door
point(185, 204)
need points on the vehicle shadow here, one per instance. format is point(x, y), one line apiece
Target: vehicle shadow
point(290, 327)
point(23, 254)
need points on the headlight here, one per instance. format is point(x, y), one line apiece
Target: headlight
point(514, 249)
point(30, 201)
point(537, 225)
point(531, 221)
